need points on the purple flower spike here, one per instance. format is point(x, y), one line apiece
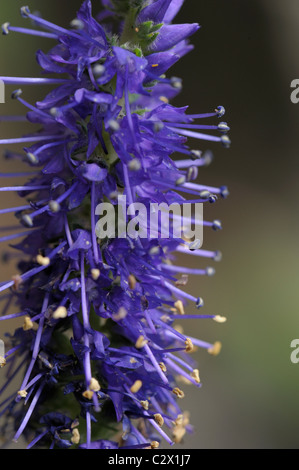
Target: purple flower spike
point(97, 346)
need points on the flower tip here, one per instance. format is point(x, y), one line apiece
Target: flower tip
point(226, 142)
point(98, 70)
point(2, 361)
point(199, 302)
point(223, 127)
point(32, 158)
point(113, 125)
point(5, 28)
point(208, 157)
point(77, 24)
point(28, 324)
point(27, 221)
point(195, 245)
point(210, 271)
point(220, 110)
point(217, 225)
point(217, 256)
point(16, 93)
point(205, 194)
point(25, 12)
point(195, 154)
point(213, 198)
point(54, 206)
point(224, 192)
point(176, 83)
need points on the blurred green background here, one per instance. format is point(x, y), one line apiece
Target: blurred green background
point(245, 57)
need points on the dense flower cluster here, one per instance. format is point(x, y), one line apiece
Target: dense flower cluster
point(98, 345)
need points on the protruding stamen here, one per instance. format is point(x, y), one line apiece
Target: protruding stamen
point(5, 29)
point(144, 404)
point(16, 93)
point(22, 393)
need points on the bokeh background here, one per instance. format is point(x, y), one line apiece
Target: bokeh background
point(245, 57)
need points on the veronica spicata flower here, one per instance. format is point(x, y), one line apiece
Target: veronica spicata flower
point(97, 345)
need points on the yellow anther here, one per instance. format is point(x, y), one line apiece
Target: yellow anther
point(178, 392)
point(215, 350)
point(163, 367)
point(219, 319)
point(144, 404)
point(195, 375)
point(164, 99)
point(94, 385)
point(88, 394)
point(154, 445)
point(141, 342)
point(27, 325)
point(132, 281)
point(95, 274)
point(136, 386)
point(180, 307)
point(159, 419)
point(189, 345)
point(43, 260)
point(75, 439)
point(60, 312)
point(22, 393)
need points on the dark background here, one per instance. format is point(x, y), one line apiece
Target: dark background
point(245, 57)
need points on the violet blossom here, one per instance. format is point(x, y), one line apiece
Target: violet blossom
point(97, 345)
